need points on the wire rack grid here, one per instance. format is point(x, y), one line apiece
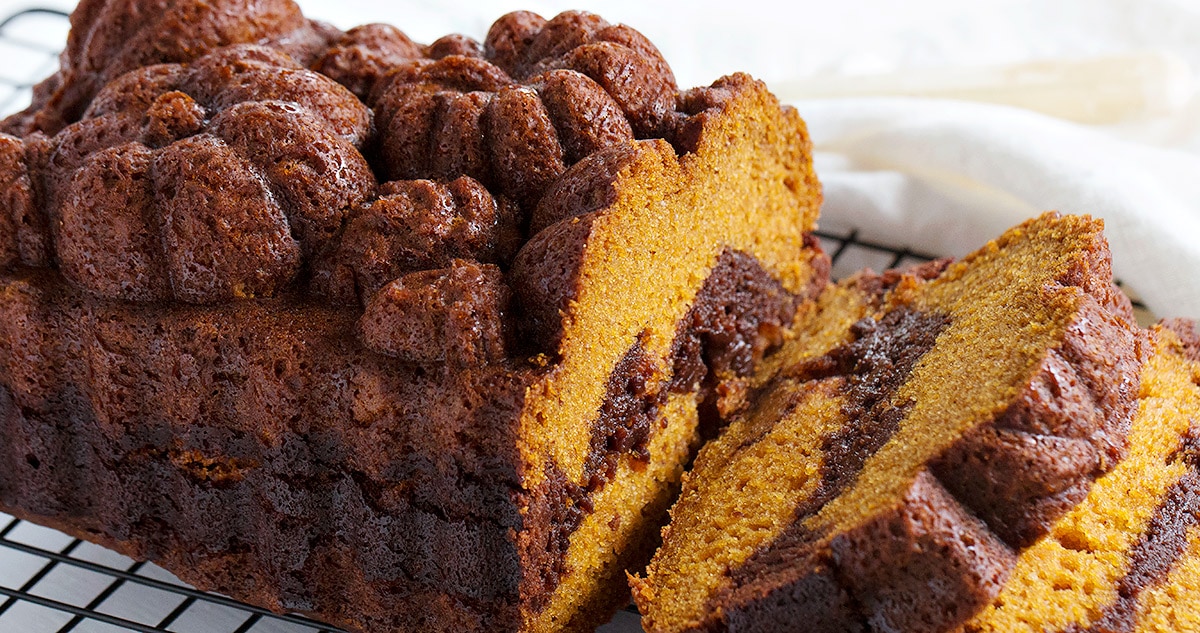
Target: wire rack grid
point(53, 583)
point(30, 41)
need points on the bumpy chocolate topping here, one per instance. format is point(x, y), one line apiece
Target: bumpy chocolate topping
point(416, 225)
point(111, 37)
point(207, 182)
point(23, 225)
point(454, 315)
point(544, 279)
point(364, 54)
point(584, 188)
point(536, 98)
point(128, 216)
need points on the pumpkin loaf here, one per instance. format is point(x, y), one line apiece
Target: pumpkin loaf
point(1127, 558)
point(249, 333)
point(918, 432)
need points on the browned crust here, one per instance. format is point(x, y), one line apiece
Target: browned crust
point(189, 413)
point(587, 187)
point(23, 227)
point(1188, 335)
point(545, 272)
point(360, 56)
point(927, 563)
point(545, 278)
point(535, 98)
point(205, 183)
point(367, 511)
point(1065, 429)
point(452, 316)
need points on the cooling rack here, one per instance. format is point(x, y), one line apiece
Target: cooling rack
point(53, 583)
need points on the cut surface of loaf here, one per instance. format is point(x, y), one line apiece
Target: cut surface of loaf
point(918, 431)
point(233, 343)
point(1127, 558)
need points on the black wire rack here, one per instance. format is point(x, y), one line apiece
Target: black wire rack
point(53, 583)
point(30, 41)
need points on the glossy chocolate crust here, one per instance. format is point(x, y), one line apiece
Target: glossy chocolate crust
point(535, 98)
point(942, 552)
point(202, 183)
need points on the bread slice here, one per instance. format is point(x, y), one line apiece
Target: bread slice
point(450, 403)
point(912, 438)
point(1127, 558)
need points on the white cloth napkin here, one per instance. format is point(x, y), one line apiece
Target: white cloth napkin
point(941, 177)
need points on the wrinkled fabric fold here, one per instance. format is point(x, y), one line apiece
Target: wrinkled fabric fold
point(940, 176)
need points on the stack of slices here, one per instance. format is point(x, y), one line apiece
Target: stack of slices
point(989, 445)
